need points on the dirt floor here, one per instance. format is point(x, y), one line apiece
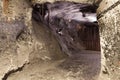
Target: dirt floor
point(82, 66)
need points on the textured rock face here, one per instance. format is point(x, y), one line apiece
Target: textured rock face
point(105, 4)
point(19, 43)
point(79, 1)
point(109, 21)
point(14, 48)
point(14, 53)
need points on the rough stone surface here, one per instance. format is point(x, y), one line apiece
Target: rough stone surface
point(18, 45)
point(110, 41)
point(79, 1)
point(13, 53)
point(0, 8)
point(14, 9)
point(14, 48)
point(46, 45)
point(106, 4)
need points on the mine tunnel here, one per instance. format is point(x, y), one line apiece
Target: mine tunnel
point(59, 40)
point(74, 24)
point(63, 43)
point(76, 29)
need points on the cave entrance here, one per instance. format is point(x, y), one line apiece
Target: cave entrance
point(75, 27)
point(74, 24)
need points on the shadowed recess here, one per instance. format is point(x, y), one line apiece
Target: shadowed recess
point(74, 24)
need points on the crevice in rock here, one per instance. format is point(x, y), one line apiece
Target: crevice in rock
point(13, 71)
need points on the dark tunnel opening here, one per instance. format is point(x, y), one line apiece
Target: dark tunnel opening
point(75, 27)
point(74, 24)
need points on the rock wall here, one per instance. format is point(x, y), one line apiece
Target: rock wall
point(109, 21)
point(79, 1)
point(19, 43)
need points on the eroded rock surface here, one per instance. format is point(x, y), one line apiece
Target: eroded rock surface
point(14, 53)
point(109, 22)
point(18, 45)
point(51, 1)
